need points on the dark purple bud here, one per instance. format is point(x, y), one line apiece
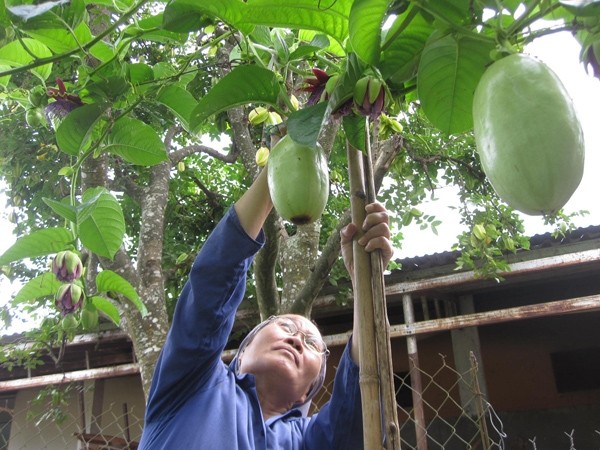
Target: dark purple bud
point(69, 298)
point(67, 266)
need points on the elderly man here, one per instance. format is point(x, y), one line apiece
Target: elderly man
point(258, 401)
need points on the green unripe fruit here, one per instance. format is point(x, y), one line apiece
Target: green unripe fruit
point(34, 117)
point(528, 135)
point(298, 181)
point(258, 115)
point(262, 156)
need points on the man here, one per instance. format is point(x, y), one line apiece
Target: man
point(257, 402)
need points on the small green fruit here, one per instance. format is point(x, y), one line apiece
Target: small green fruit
point(262, 156)
point(298, 181)
point(258, 115)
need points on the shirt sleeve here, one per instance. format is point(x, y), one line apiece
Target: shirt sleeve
point(338, 424)
point(204, 316)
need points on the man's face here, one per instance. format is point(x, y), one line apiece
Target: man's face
point(284, 356)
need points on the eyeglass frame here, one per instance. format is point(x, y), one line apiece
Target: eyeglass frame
point(304, 335)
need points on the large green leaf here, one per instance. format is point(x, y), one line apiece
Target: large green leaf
point(243, 85)
point(180, 15)
point(107, 307)
point(74, 131)
point(14, 54)
point(109, 281)
point(449, 71)
point(63, 209)
point(41, 286)
point(404, 43)
point(355, 131)
point(366, 19)
point(179, 101)
point(136, 142)
point(330, 18)
point(39, 243)
point(62, 40)
point(304, 125)
point(103, 229)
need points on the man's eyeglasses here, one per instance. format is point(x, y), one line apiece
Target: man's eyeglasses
point(312, 342)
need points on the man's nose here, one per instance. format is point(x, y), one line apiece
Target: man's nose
point(295, 340)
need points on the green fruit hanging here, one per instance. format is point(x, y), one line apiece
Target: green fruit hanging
point(298, 181)
point(528, 135)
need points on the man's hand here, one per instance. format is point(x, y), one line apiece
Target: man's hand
point(376, 236)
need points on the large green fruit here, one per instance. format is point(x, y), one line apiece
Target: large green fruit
point(298, 181)
point(527, 134)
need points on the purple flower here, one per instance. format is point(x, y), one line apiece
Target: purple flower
point(69, 298)
point(67, 266)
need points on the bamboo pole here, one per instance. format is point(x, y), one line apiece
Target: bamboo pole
point(382, 326)
point(415, 375)
point(368, 375)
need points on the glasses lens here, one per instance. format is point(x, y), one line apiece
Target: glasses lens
point(312, 342)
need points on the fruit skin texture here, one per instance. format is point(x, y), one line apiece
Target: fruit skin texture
point(528, 137)
point(298, 181)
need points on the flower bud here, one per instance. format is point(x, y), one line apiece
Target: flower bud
point(67, 266)
point(69, 298)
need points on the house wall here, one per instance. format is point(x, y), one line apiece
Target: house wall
point(49, 432)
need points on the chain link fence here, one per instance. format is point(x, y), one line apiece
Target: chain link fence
point(56, 418)
point(449, 412)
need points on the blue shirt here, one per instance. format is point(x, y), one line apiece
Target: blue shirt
point(196, 401)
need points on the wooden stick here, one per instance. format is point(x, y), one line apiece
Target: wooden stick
point(382, 324)
point(369, 377)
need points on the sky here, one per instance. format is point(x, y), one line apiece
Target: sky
point(561, 53)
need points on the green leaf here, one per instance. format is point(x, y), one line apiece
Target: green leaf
point(304, 125)
point(14, 54)
point(39, 243)
point(136, 142)
point(63, 209)
point(355, 130)
point(243, 85)
point(103, 229)
point(75, 130)
point(404, 43)
point(449, 71)
point(179, 101)
point(179, 18)
point(107, 307)
point(139, 73)
point(41, 286)
point(60, 40)
point(330, 18)
point(109, 281)
point(366, 19)
point(180, 14)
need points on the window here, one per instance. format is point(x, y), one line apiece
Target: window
point(576, 370)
